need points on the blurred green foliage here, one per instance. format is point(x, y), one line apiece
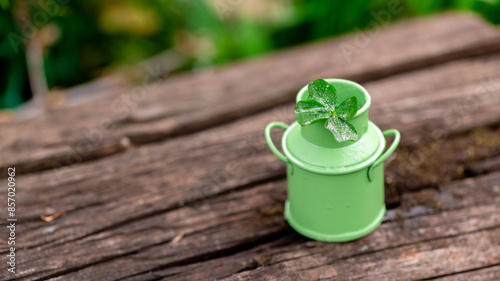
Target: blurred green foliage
point(84, 39)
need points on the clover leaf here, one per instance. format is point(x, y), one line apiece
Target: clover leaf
point(321, 105)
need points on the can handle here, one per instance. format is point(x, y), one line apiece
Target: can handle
point(388, 152)
point(269, 141)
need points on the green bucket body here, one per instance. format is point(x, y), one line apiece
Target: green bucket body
point(334, 208)
point(335, 190)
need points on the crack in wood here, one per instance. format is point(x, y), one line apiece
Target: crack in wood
point(472, 270)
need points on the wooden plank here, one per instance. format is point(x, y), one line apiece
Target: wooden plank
point(251, 216)
point(403, 259)
point(114, 83)
point(413, 225)
point(485, 274)
point(145, 181)
point(415, 261)
point(155, 111)
point(236, 155)
point(115, 186)
point(435, 161)
point(484, 167)
point(214, 227)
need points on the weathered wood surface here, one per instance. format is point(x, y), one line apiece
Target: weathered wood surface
point(424, 217)
point(208, 204)
point(154, 111)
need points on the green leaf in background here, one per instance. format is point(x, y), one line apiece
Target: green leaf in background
point(321, 106)
point(4, 4)
point(348, 108)
point(310, 111)
point(341, 130)
point(323, 92)
point(98, 36)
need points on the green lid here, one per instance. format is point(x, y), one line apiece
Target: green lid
point(333, 160)
point(315, 149)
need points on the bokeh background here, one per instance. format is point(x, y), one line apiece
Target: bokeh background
point(85, 40)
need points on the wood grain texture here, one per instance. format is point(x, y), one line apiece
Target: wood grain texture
point(235, 155)
point(209, 204)
point(219, 226)
point(143, 184)
point(484, 167)
point(155, 110)
point(415, 261)
point(416, 222)
point(490, 273)
point(406, 256)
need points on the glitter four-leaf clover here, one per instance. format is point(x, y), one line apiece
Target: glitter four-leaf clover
point(321, 105)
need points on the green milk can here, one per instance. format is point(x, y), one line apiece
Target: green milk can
point(335, 189)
